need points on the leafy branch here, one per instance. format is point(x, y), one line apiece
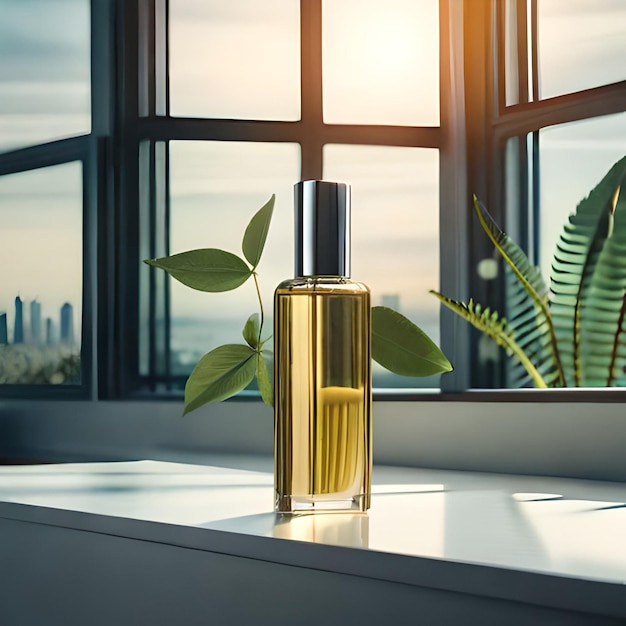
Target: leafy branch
point(397, 343)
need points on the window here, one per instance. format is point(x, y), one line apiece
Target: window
point(555, 124)
point(44, 71)
point(300, 91)
point(177, 148)
point(42, 236)
point(44, 97)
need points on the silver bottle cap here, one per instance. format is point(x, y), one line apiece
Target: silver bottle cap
point(322, 228)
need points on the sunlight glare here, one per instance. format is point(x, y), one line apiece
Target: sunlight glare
point(380, 62)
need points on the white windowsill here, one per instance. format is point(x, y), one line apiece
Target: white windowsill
point(569, 439)
point(545, 542)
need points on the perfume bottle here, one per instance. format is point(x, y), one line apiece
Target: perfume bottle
point(322, 353)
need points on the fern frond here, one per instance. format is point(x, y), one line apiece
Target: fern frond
point(575, 263)
point(490, 323)
point(603, 325)
point(529, 277)
point(531, 332)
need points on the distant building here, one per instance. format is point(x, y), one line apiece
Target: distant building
point(49, 331)
point(67, 323)
point(4, 333)
point(18, 329)
point(392, 300)
point(35, 322)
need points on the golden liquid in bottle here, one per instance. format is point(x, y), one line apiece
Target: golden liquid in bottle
point(323, 396)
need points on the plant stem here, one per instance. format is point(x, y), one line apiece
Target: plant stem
point(258, 293)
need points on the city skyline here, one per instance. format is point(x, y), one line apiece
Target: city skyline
point(36, 329)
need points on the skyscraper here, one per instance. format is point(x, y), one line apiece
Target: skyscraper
point(4, 333)
point(67, 323)
point(35, 322)
point(49, 331)
point(18, 329)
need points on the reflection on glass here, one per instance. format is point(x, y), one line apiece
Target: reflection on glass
point(511, 54)
point(40, 304)
point(395, 232)
point(216, 187)
point(237, 59)
point(381, 62)
point(573, 159)
point(44, 71)
point(581, 44)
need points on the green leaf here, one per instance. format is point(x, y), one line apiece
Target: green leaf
point(402, 347)
point(265, 376)
point(531, 280)
point(603, 324)
point(574, 267)
point(251, 331)
point(490, 323)
point(256, 233)
point(208, 269)
point(221, 373)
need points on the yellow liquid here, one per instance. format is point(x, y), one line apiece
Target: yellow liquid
point(323, 396)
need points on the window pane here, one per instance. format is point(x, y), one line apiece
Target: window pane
point(515, 66)
point(573, 159)
point(395, 232)
point(582, 44)
point(40, 304)
point(216, 187)
point(237, 59)
point(44, 71)
point(381, 62)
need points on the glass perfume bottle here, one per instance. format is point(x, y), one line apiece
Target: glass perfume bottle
point(322, 330)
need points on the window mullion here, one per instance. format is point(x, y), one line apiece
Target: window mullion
point(521, 21)
point(311, 98)
point(522, 119)
point(43, 155)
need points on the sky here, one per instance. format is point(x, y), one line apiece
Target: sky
point(375, 70)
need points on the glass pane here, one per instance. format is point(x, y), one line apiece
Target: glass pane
point(582, 44)
point(395, 232)
point(216, 187)
point(381, 62)
point(40, 304)
point(513, 64)
point(44, 71)
point(573, 159)
point(237, 59)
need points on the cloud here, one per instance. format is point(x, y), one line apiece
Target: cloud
point(47, 40)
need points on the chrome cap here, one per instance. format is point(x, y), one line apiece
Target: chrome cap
point(322, 228)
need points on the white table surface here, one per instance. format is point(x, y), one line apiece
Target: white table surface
point(562, 527)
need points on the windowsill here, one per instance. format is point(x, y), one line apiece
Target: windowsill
point(569, 439)
point(545, 542)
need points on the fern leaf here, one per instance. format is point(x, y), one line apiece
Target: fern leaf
point(530, 279)
point(490, 323)
point(603, 325)
point(575, 262)
point(531, 332)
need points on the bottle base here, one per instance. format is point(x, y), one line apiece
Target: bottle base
point(308, 504)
